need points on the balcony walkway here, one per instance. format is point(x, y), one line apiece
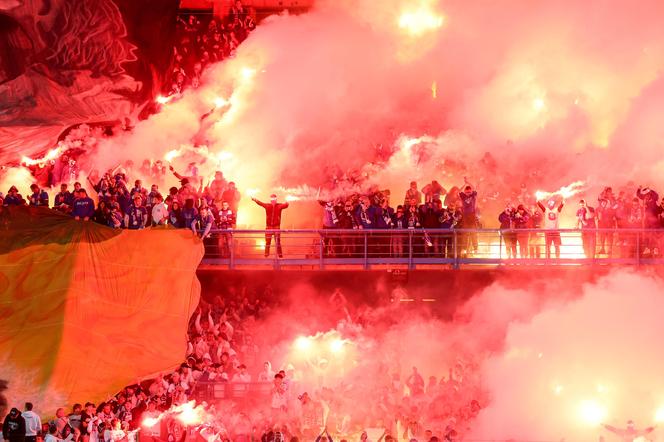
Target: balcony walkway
point(428, 249)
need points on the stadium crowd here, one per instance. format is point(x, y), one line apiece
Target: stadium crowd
point(528, 227)
point(205, 40)
point(223, 349)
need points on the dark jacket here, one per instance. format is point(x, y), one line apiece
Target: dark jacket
point(272, 213)
point(13, 428)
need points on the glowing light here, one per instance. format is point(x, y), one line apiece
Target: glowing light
point(336, 345)
point(291, 198)
point(224, 155)
point(220, 102)
point(538, 104)
point(188, 414)
point(172, 154)
point(565, 191)
point(247, 73)
point(420, 21)
point(252, 192)
point(659, 414)
point(50, 155)
point(434, 90)
point(601, 389)
point(303, 343)
point(163, 100)
point(592, 412)
point(557, 390)
point(150, 421)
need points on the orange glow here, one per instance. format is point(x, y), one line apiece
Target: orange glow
point(420, 21)
point(592, 412)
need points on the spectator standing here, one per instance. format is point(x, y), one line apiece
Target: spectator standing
point(188, 214)
point(39, 197)
point(587, 223)
point(412, 193)
point(63, 200)
point(175, 215)
point(84, 207)
point(13, 428)
point(650, 218)
point(469, 216)
point(551, 225)
point(204, 222)
point(13, 198)
point(506, 220)
point(159, 211)
point(535, 238)
point(136, 217)
point(521, 222)
point(273, 211)
point(232, 195)
point(606, 221)
point(33, 423)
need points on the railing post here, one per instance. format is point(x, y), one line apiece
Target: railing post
point(321, 263)
point(500, 245)
point(410, 250)
point(456, 251)
point(366, 249)
point(231, 250)
point(638, 248)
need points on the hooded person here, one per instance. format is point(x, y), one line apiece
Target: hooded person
point(13, 428)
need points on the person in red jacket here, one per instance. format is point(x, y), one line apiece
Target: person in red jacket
point(273, 211)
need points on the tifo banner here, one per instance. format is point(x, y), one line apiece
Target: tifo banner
point(87, 309)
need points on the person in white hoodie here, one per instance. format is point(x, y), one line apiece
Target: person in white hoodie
point(32, 423)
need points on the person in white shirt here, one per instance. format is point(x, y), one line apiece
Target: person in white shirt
point(159, 212)
point(115, 432)
point(151, 425)
point(32, 423)
point(52, 435)
point(241, 375)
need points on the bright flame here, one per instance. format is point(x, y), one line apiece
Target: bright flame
point(163, 100)
point(659, 414)
point(252, 192)
point(420, 21)
point(172, 154)
point(150, 421)
point(188, 414)
point(247, 73)
point(592, 412)
point(565, 191)
point(336, 345)
point(538, 104)
point(291, 198)
point(50, 155)
point(220, 102)
point(434, 90)
point(303, 343)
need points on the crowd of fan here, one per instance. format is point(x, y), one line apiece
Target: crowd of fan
point(222, 350)
point(202, 41)
point(434, 209)
point(431, 210)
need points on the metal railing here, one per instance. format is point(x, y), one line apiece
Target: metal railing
point(413, 248)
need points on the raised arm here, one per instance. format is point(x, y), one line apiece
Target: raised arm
point(260, 203)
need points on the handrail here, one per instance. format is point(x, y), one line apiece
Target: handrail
point(413, 248)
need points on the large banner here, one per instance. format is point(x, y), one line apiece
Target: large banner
point(65, 62)
point(87, 309)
